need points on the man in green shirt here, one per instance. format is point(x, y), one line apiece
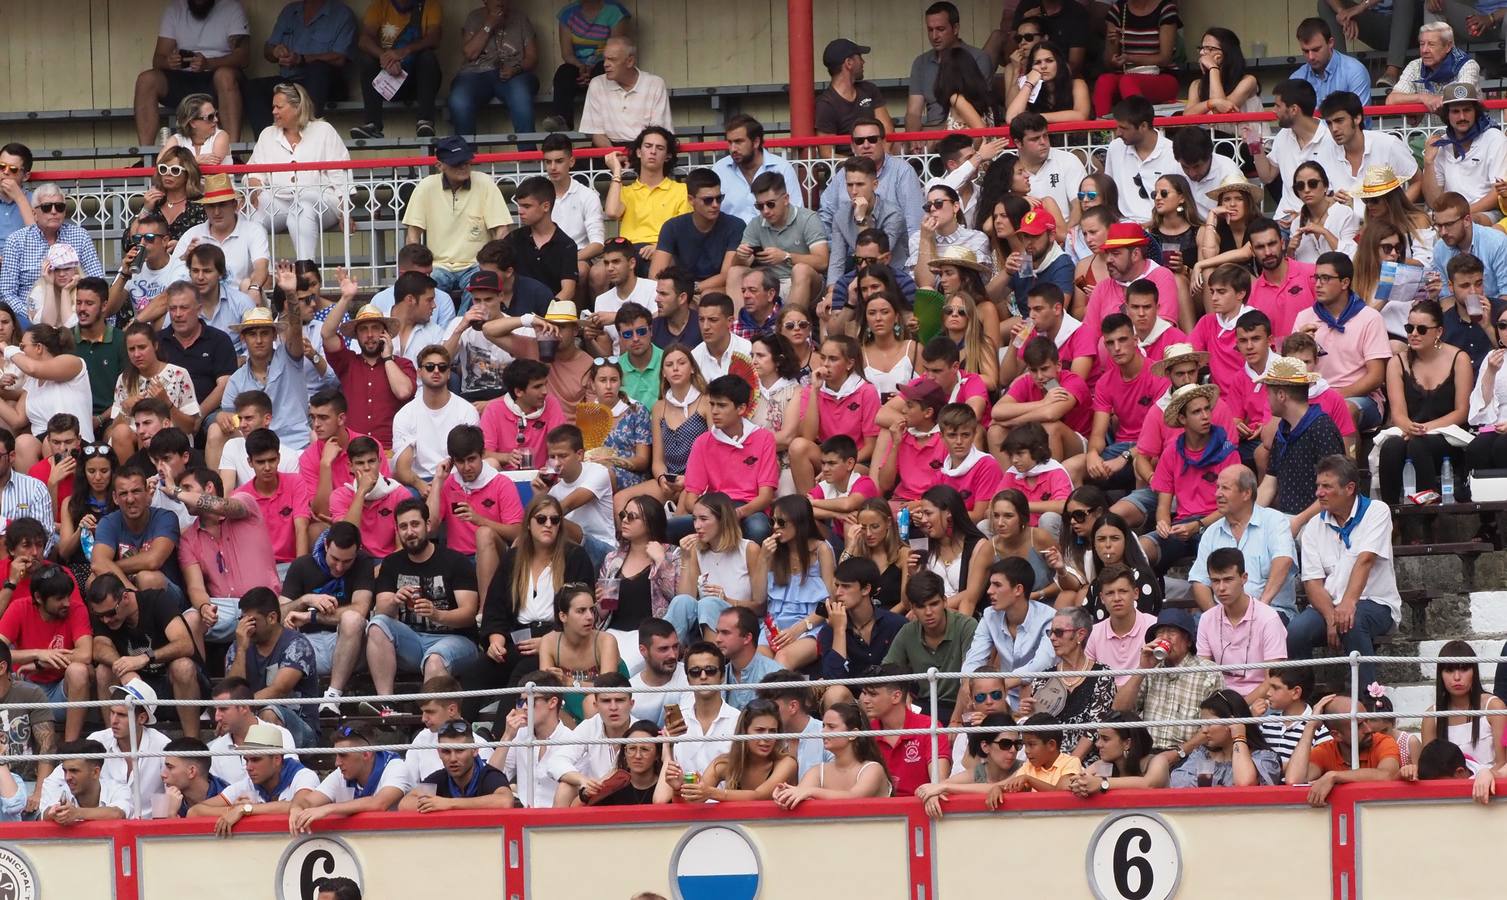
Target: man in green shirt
point(100, 345)
point(640, 359)
point(938, 637)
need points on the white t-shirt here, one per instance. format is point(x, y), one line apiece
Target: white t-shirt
point(1058, 178)
point(111, 793)
point(1287, 155)
point(231, 769)
point(594, 516)
point(338, 790)
point(479, 359)
point(1482, 164)
point(303, 780)
point(426, 430)
point(233, 456)
point(652, 706)
point(45, 399)
point(242, 247)
point(423, 759)
point(1220, 168)
point(210, 35)
point(611, 302)
point(715, 367)
point(147, 282)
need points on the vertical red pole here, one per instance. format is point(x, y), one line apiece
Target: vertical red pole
point(802, 77)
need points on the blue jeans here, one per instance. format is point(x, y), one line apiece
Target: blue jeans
point(686, 613)
point(414, 647)
point(1368, 415)
point(756, 527)
point(292, 717)
point(596, 550)
point(470, 92)
point(1307, 631)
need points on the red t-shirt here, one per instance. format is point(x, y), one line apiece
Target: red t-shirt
point(909, 757)
point(40, 472)
point(25, 629)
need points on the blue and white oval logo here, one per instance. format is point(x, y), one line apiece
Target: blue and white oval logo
point(717, 862)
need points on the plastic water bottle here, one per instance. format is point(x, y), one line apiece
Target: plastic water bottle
point(902, 523)
point(1447, 481)
point(1409, 481)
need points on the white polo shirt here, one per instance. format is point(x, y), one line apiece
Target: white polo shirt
point(1326, 556)
point(1382, 149)
point(579, 214)
point(1220, 168)
point(1058, 178)
point(536, 775)
point(698, 756)
point(395, 775)
point(1472, 175)
point(1287, 154)
point(232, 768)
point(1124, 165)
point(242, 247)
point(716, 366)
point(114, 772)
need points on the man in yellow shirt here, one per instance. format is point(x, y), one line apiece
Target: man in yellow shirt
point(642, 207)
point(454, 214)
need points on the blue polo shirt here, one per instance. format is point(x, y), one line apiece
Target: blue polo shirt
point(332, 31)
point(287, 386)
point(1266, 538)
point(10, 217)
point(233, 305)
point(700, 254)
point(1486, 244)
point(738, 198)
point(1344, 73)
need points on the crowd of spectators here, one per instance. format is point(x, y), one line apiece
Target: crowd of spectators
point(1012, 422)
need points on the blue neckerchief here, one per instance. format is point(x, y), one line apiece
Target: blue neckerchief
point(379, 764)
point(1352, 309)
point(1214, 452)
point(291, 767)
point(217, 787)
point(1361, 503)
point(1286, 434)
point(1447, 139)
point(471, 786)
point(411, 32)
point(335, 587)
point(1444, 73)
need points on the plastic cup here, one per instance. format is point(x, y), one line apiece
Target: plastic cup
point(548, 347)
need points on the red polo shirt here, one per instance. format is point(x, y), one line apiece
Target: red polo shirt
point(909, 757)
point(369, 396)
point(312, 460)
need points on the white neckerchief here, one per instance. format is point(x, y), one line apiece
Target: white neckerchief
point(1065, 330)
point(381, 489)
point(1254, 376)
point(1318, 387)
point(853, 383)
point(1039, 469)
point(918, 434)
point(1157, 330)
point(691, 396)
point(748, 428)
point(831, 491)
point(1224, 324)
point(620, 407)
point(483, 478)
point(957, 388)
point(517, 410)
point(1054, 250)
point(1164, 400)
point(779, 385)
point(969, 461)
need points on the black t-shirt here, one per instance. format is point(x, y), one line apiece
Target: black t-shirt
point(529, 296)
point(835, 114)
point(437, 578)
point(1067, 28)
point(701, 254)
point(157, 611)
point(548, 265)
point(211, 356)
point(490, 781)
point(629, 795)
point(305, 577)
point(660, 334)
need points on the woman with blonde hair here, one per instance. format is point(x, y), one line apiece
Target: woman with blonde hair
point(719, 569)
point(304, 202)
point(198, 131)
point(877, 538)
point(177, 185)
point(962, 323)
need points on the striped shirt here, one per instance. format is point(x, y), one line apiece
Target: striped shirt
point(23, 496)
point(589, 34)
point(1142, 33)
point(1283, 737)
point(23, 254)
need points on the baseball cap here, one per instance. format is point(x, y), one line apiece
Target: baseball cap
point(839, 50)
point(454, 151)
point(926, 392)
point(1037, 222)
point(484, 280)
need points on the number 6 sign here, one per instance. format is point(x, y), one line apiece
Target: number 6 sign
point(1134, 857)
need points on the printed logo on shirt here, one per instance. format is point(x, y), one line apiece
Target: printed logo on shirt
point(853, 407)
point(1295, 290)
point(489, 503)
point(750, 460)
point(912, 751)
point(1144, 401)
point(384, 511)
point(286, 512)
point(1053, 179)
point(1210, 477)
point(935, 464)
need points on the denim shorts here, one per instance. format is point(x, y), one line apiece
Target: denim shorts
point(414, 647)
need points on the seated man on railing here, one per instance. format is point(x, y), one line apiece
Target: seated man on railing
point(464, 781)
point(363, 780)
point(1327, 765)
point(84, 793)
point(454, 212)
point(271, 782)
point(188, 780)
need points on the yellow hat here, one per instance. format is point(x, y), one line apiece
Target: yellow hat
point(369, 313)
point(1378, 181)
point(562, 311)
point(255, 317)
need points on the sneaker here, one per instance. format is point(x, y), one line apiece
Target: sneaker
point(554, 123)
point(1387, 80)
point(330, 708)
point(425, 128)
point(367, 132)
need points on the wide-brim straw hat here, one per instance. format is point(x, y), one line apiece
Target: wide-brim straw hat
point(1185, 395)
point(218, 189)
point(958, 256)
point(1287, 370)
point(1176, 353)
point(255, 317)
point(1235, 182)
point(369, 313)
point(1377, 181)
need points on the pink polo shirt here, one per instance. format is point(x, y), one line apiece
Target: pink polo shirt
point(1108, 297)
point(855, 415)
point(1258, 637)
point(496, 500)
point(1156, 434)
point(1053, 485)
point(979, 482)
point(1154, 350)
point(1119, 651)
point(1282, 302)
point(1130, 400)
point(312, 459)
point(379, 521)
point(1248, 400)
point(918, 468)
point(235, 562)
point(1335, 407)
point(737, 471)
point(1346, 355)
point(289, 502)
point(858, 485)
point(1226, 365)
point(1192, 487)
point(499, 427)
point(1080, 418)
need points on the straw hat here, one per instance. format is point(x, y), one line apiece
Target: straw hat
point(1125, 234)
point(1288, 370)
point(264, 735)
point(255, 317)
point(959, 256)
point(562, 312)
point(1176, 353)
point(218, 189)
point(1236, 182)
point(369, 313)
point(1377, 181)
point(1185, 395)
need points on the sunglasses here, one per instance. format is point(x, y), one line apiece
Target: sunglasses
point(220, 562)
point(797, 326)
point(1008, 744)
point(1027, 36)
point(456, 727)
point(207, 117)
point(869, 139)
point(1410, 328)
point(628, 515)
point(1370, 200)
point(53, 207)
point(1078, 515)
point(1141, 187)
point(172, 169)
point(988, 695)
point(767, 204)
point(955, 311)
point(1088, 195)
point(606, 360)
point(546, 519)
point(9, 169)
point(435, 367)
point(933, 204)
point(1060, 632)
point(1307, 184)
point(149, 236)
point(1390, 247)
point(107, 614)
point(702, 671)
point(640, 331)
point(715, 198)
point(89, 450)
point(1162, 193)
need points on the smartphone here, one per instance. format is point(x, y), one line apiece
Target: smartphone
point(674, 720)
point(1051, 385)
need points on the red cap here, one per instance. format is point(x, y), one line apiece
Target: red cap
point(1037, 222)
point(1126, 234)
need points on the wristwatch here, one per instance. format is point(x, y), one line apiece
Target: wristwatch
point(8, 586)
point(1103, 785)
point(1181, 753)
point(245, 809)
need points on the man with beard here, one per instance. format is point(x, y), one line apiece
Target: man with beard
point(1300, 139)
point(746, 160)
point(1285, 286)
point(278, 371)
point(1468, 157)
point(203, 47)
point(137, 542)
point(145, 272)
point(375, 380)
point(219, 304)
point(205, 352)
point(1125, 257)
point(421, 427)
point(143, 635)
point(426, 606)
point(848, 96)
point(100, 345)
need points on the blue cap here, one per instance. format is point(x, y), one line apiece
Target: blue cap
point(1177, 618)
point(454, 151)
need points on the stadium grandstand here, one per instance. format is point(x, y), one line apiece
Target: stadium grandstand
point(774, 439)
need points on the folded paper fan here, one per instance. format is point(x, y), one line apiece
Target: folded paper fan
point(741, 365)
point(595, 422)
point(928, 314)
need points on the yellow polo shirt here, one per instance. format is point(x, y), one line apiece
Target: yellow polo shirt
point(457, 223)
point(1066, 764)
point(646, 208)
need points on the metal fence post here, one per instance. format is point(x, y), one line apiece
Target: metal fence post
point(931, 681)
point(135, 758)
point(528, 745)
point(1354, 709)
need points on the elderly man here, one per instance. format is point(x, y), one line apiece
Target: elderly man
point(1439, 63)
point(26, 247)
point(1468, 158)
point(1263, 535)
point(745, 161)
point(203, 47)
point(623, 100)
point(446, 209)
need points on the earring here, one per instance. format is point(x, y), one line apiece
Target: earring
point(868, 334)
point(898, 330)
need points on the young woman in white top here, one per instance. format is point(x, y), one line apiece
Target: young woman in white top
point(1457, 686)
point(55, 381)
point(856, 770)
point(146, 375)
point(719, 569)
point(888, 361)
point(199, 131)
point(305, 202)
point(1323, 223)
